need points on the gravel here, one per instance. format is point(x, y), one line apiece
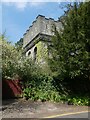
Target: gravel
point(20, 108)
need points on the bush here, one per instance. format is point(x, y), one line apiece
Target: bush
point(41, 89)
point(78, 100)
point(40, 86)
point(10, 58)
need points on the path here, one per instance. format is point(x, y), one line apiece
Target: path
point(30, 109)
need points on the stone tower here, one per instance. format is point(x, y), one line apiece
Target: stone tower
point(37, 37)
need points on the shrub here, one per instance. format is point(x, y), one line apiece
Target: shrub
point(79, 100)
point(10, 58)
point(41, 89)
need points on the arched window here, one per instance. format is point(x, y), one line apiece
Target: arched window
point(35, 53)
point(29, 53)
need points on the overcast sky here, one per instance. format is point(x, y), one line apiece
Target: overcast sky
point(18, 16)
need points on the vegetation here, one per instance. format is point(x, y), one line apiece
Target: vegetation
point(19, 44)
point(10, 58)
point(69, 77)
point(69, 50)
point(70, 61)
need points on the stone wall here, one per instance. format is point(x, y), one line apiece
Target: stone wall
point(41, 25)
point(38, 36)
point(41, 54)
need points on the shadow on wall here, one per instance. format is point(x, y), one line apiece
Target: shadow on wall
point(11, 89)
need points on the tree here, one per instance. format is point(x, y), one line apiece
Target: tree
point(70, 47)
point(10, 58)
point(14, 63)
point(19, 44)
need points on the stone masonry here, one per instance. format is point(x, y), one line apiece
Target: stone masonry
point(38, 34)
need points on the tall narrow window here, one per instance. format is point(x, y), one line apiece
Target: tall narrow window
point(46, 26)
point(35, 53)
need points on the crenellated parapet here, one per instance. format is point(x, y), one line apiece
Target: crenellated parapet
point(41, 27)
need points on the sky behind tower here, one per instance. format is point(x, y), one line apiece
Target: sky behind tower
point(18, 16)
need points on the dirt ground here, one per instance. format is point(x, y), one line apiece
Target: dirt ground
point(20, 108)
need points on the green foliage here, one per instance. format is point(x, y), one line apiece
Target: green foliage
point(19, 44)
point(78, 100)
point(26, 68)
point(69, 62)
point(10, 58)
point(70, 48)
point(41, 89)
point(76, 34)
